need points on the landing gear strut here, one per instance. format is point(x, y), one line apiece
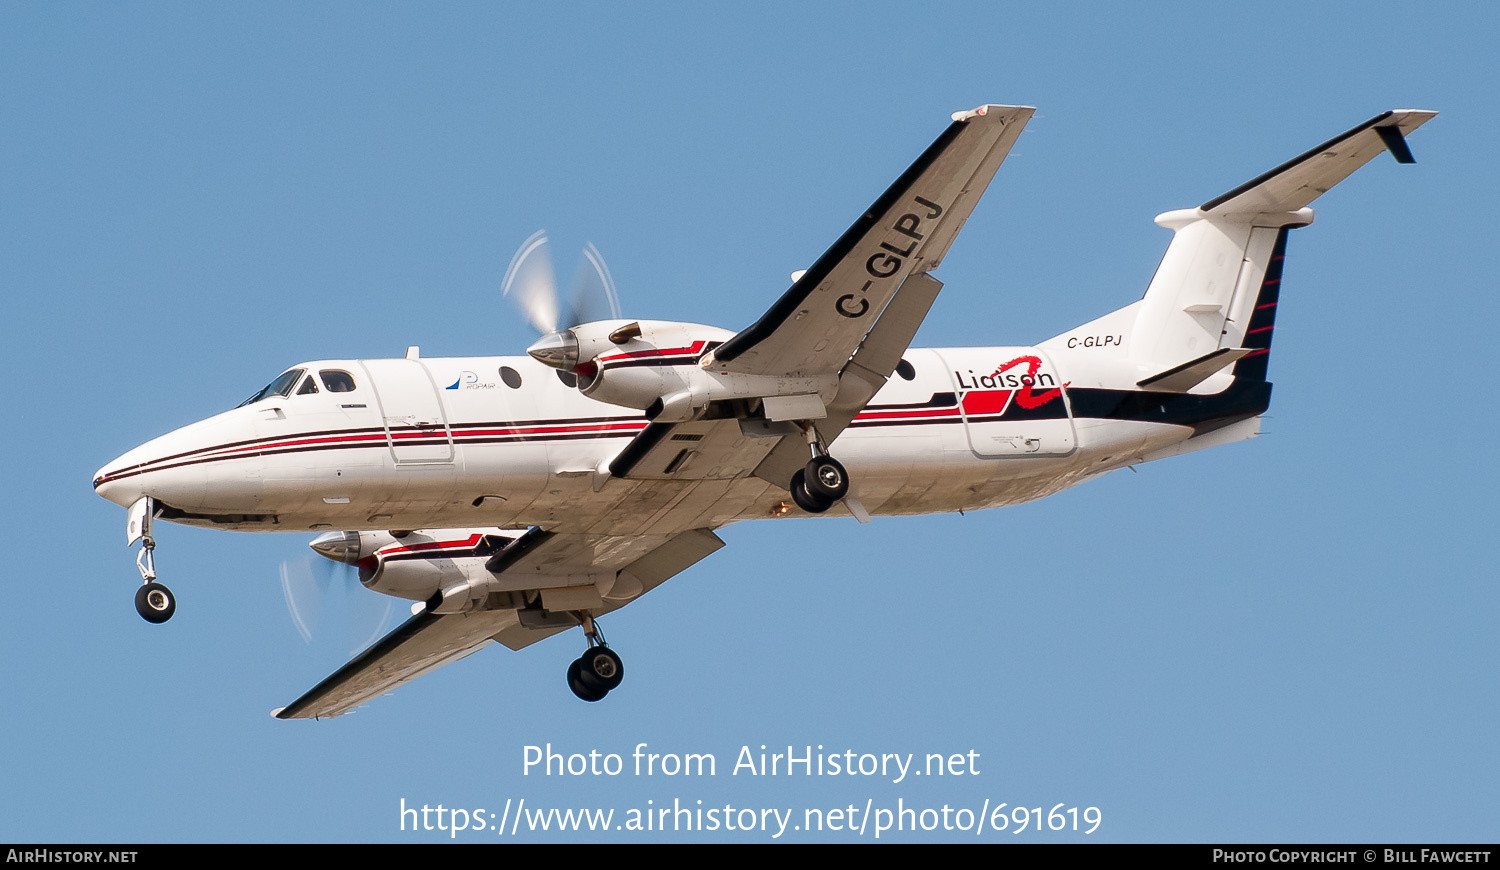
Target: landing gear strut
point(153, 601)
point(592, 675)
point(822, 481)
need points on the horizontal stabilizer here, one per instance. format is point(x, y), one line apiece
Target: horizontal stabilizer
point(1299, 181)
point(1180, 379)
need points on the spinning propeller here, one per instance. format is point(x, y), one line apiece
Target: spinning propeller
point(318, 590)
point(531, 284)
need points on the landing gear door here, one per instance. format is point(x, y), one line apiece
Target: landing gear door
point(416, 428)
point(1013, 402)
point(138, 520)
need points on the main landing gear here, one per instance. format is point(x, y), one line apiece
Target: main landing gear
point(822, 482)
point(592, 675)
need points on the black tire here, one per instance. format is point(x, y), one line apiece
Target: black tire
point(826, 479)
point(583, 691)
point(155, 603)
point(601, 667)
point(804, 499)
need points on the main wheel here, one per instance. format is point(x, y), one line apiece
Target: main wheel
point(583, 690)
point(154, 602)
point(826, 479)
point(804, 499)
point(602, 668)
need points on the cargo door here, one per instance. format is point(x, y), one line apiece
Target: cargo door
point(1012, 401)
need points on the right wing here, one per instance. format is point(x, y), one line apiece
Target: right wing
point(865, 298)
point(815, 326)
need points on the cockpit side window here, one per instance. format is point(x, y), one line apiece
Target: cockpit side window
point(282, 386)
point(337, 381)
point(309, 386)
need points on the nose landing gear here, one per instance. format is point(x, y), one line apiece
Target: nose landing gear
point(592, 675)
point(153, 601)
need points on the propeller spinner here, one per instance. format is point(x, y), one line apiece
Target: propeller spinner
point(531, 283)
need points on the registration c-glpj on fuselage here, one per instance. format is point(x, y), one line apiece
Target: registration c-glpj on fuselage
point(515, 497)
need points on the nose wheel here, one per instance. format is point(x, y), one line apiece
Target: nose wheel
point(155, 603)
point(594, 674)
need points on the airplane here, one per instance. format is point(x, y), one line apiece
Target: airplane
point(514, 498)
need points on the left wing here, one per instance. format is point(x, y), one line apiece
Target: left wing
point(430, 639)
point(815, 326)
point(423, 643)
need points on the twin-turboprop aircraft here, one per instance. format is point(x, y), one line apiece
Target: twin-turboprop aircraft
point(514, 498)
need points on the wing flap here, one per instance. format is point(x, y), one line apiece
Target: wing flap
point(873, 364)
point(656, 567)
point(695, 450)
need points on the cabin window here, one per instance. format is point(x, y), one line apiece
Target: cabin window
point(337, 381)
point(282, 386)
point(511, 377)
point(905, 370)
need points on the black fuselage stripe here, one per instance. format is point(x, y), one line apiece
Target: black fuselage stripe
point(1243, 398)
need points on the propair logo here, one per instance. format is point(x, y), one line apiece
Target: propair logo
point(469, 381)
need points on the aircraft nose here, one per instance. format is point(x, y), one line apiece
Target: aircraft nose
point(115, 483)
point(162, 468)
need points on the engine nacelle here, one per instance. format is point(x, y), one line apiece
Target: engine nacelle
point(654, 366)
point(636, 363)
point(416, 565)
point(448, 569)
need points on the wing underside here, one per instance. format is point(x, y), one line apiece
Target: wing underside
point(430, 640)
point(1304, 178)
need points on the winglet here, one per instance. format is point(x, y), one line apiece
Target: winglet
point(1395, 143)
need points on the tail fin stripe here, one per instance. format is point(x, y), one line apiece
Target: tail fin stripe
point(1263, 318)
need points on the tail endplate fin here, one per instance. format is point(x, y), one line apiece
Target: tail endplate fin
point(1219, 284)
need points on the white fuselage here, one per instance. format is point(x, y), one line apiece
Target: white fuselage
point(502, 442)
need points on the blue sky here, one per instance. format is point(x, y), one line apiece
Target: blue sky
point(1290, 639)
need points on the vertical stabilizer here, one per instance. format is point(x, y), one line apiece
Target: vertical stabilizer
point(1219, 284)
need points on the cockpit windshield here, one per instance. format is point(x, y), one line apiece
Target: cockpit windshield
point(282, 386)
